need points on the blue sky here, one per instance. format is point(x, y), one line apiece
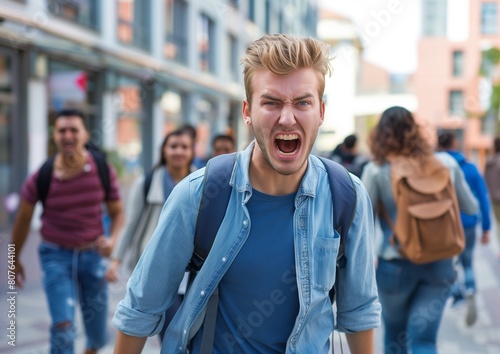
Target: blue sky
point(389, 30)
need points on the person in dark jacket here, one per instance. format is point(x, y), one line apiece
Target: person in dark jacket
point(348, 156)
point(491, 173)
point(448, 142)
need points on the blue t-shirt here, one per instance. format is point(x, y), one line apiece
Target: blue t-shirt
point(258, 298)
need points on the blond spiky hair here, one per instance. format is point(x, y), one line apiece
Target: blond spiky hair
point(282, 54)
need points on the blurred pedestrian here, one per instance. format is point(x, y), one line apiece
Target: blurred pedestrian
point(448, 142)
point(413, 296)
point(273, 259)
point(347, 154)
point(73, 247)
point(146, 199)
point(223, 144)
point(492, 176)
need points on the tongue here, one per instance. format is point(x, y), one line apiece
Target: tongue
point(287, 146)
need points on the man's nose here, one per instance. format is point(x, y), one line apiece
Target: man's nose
point(287, 117)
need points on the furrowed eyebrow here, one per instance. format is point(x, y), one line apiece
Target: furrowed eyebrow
point(269, 97)
point(272, 98)
point(307, 95)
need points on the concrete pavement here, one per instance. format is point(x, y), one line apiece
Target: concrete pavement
point(32, 326)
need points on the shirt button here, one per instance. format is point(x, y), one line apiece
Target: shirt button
point(202, 293)
point(245, 223)
point(224, 259)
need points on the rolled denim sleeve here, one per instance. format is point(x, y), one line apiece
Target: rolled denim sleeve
point(358, 308)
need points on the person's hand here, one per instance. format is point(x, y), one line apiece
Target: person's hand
point(19, 271)
point(485, 238)
point(112, 271)
point(104, 246)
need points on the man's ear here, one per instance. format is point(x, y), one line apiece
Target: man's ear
point(245, 110)
point(322, 112)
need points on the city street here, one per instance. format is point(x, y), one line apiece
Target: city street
point(32, 326)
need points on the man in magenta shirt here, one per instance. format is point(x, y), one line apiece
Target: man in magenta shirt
point(73, 247)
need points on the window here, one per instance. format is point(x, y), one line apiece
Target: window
point(233, 3)
point(171, 103)
point(232, 59)
point(176, 31)
point(458, 63)
point(489, 21)
point(456, 102)
point(434, 18)
point(83, 12)
point(7, 141)
point(128, 130)
point(282, 21)
point(268, 16)
point(251, 10)
point(206, 43)
point(133, 23)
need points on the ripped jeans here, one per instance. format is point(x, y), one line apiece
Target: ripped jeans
point(72, 276)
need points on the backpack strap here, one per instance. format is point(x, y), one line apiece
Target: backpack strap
point(43, 179)
point(45, 175)
point(344, 198)
point(344, 201)
point(213, 204)
point(147, 184)
point(103, 170)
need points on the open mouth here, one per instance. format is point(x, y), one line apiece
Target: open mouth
point(287, 144)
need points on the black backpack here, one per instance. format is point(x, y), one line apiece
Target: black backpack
point(45, 175)
point(212, 208)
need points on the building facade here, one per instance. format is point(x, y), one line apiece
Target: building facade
point(453, 92)
point(136, 68)
point(357, 92)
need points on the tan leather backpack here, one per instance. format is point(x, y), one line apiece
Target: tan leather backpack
point(428, 226)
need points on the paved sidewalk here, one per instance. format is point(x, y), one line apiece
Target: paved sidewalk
point(454, 338)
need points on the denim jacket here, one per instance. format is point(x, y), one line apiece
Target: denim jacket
point(154, 282)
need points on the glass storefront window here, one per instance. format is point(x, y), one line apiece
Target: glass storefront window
point(6, 107)
point(232, 57)
point(83, 12)
point(206, 43)
point(171, 106)
point(207, 115)
point(134, 23)
point(176, 31)
point(128, 103)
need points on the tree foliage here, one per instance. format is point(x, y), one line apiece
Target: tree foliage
point(490, 64)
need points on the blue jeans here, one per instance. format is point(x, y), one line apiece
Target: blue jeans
point(70, 276)
point(465, 259)
point(413, 298)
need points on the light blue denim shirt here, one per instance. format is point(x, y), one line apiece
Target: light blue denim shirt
point(377, 180)
point(154, 282)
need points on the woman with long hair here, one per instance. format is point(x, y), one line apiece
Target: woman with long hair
point(413, 296)
point(146, 199)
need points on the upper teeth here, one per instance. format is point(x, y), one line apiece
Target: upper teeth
point(288, 136)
